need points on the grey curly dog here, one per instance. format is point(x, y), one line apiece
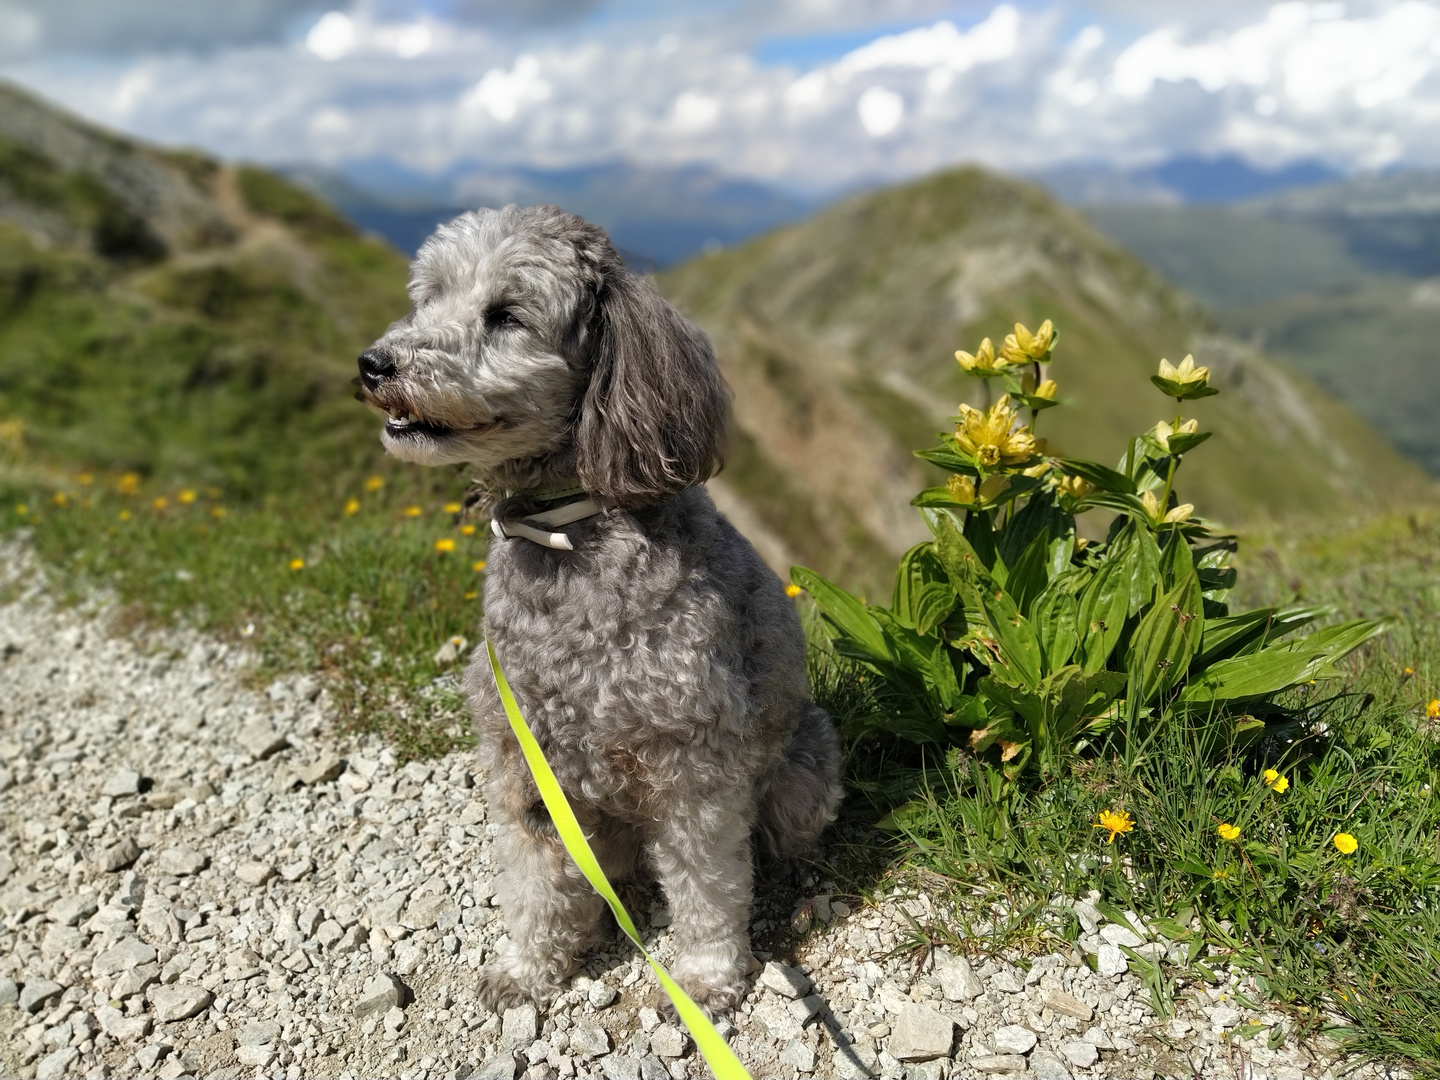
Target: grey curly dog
point(656, 657)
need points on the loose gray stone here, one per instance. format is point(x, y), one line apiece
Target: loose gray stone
point(382, 992)
point(1116, 934)
point(1008, 981)
point(1068, 1005)
point(120, 783)
point(668, 1041)
point(179, 1002)
point(1224, 1016)
point(118, 856)
point(394, 1019)
point(652, 1069)
point(620, 1067)
point(520, 1027)
point(125, 955)
point(293, 872)
point(181, 861)
point(590, 1039)
point(56, 1066)
point(1080, 1054)
point(601, 994)
point(254, 873)
point(387, 912)
point(260, 740)
point(256, 1056)
point(69, 910)
point(322, 770)
point(783, 980)
point(1111, 961)
point(9, 992)
point(1097, 1038)
point(259, 1032)
point(501, 1067)
point(37, 992)
point(920, 1034)
point(436, 909)
point(776, 1018)
point(997, 1063)
point(1089, 916)
point(1046, 1066)
point(798, 1056)
point(1013, 1039)
point(958, 981)
point(120, 1027)
point(855, 1062)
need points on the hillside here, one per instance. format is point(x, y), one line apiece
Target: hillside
point(838, 334)
point(1340, 282)
point(164, 313)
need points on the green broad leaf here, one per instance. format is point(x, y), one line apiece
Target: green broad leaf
point(1145, 576)
point(935, 496)
point(1170, 929)
point(1226, 637)
point(931, 606)
point(1166, 640)
point(1253, 676)
point(1073, 699)
point(1036, 403)
point(907, 816)
point(914, 727)
point(1104, 605)
point(1030, 574)
point(1180, 444)
point(1001, 729)
point(1341, 640)
point(1105, 479)
point(948, 457)
point(980, 532)
point(1246, 730)
point(855, 621)
point(1128, 505)
point(923, 595)
point(1183, 391)
point(1055, 616)
point(1033, 520)
point(1019, 647)
point(940, 678)
point(970, 713)
point(1199, 869)
point(1176, 560)
point(1062, 545)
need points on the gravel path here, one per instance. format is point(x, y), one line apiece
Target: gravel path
point(200, 880)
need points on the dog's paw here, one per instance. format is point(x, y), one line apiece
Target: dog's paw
point(712, 999)
point(499, 990)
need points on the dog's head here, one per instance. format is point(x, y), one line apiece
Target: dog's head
point(531, 349)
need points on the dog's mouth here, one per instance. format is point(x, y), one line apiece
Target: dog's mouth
point(404, 423)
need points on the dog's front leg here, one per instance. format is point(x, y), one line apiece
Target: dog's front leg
point(701, 853)
point(550, 913)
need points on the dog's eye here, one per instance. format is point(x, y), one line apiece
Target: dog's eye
point(501, 318)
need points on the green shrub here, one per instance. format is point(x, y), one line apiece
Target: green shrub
point(1011, 634)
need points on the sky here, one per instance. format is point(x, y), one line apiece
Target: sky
point(813, 95)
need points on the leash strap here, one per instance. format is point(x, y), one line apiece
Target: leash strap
point(537, 527)
point(716, 1051)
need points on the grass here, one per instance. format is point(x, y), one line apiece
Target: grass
point(363, 587)
point(1325, 934)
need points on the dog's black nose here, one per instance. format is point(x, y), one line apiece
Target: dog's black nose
point(376, 365)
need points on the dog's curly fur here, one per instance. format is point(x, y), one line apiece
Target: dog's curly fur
point(659, 663)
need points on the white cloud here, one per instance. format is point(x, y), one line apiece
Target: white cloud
point(332, 36)
point(880, 111)
point(501, 93)
point(939, 46)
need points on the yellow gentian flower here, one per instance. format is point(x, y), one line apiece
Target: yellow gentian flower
point(1077, 487)
point(961, 488)
point(1023, 346)
point(991, 438)
point(1163, 431)
point(982, 361)
point(1159, 515)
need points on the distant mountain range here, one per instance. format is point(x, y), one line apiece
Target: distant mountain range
point(1213, 180)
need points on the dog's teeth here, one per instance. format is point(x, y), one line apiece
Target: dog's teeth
point(412, 419)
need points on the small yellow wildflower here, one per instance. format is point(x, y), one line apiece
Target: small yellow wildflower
point(413, 511)
point(991, 438)
point(1163, 431)
point(1275, 782)
point(352, 507)
point(160, 502)
point(1023, 346)
point(374, 483)
point(467, 530)
point(187, 497)
point(21, 509)
point(297, 564)
point(792, 590)
point(982, 361)
point(1228, 831)
point(85, 479)
point(1345, 843)
point(218, 512)
point(1115, 822)
point(1173, 516)
point(124, 515)
point(444, 545)
point(129, 483)
point(453, 508)
point(471, 595)
point(1220, 875)
point(60, 499)
point(479, 567)
point(1432, 711)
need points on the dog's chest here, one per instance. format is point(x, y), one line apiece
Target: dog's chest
point(626, 667)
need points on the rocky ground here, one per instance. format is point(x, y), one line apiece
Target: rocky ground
point(198, 879)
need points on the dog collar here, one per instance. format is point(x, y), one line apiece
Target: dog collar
point(538, 528)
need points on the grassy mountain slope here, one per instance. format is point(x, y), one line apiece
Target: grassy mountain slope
point(837, 336)
point(163, 313)
point(1341, 282)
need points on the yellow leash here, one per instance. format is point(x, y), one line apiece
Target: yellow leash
point(716, 1051)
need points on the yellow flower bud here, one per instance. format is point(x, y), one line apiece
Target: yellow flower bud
point(1077, 487)
point(981, 362)
point(1163, 431)
point(961, 488)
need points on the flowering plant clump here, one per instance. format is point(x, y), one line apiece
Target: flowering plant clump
point(1011, 636)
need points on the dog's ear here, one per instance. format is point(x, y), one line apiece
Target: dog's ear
point(652, 421)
